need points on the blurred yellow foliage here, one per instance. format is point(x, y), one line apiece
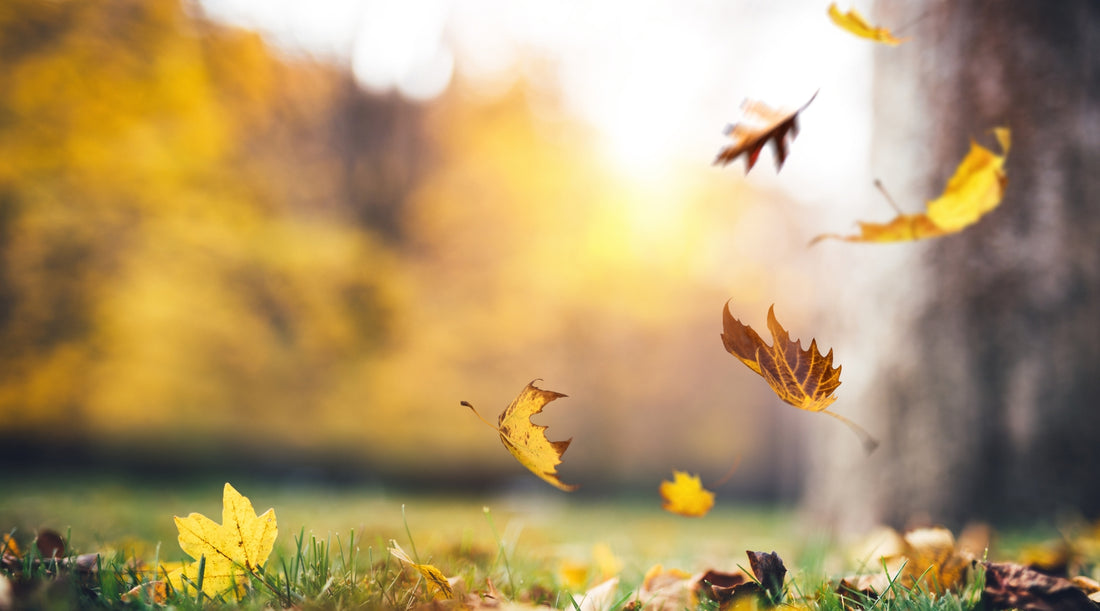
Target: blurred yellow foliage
point(209, 245)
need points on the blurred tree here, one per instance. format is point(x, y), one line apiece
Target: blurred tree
point(179, 257)
point(989, 400)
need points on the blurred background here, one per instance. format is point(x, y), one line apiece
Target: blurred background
point(286, 239)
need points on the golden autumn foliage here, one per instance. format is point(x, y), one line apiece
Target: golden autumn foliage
point(527, 441)
point(976, 188)
point(178, 255)
point(685, 495)
point(857, 24)
point(759, 125)
point(230, 552)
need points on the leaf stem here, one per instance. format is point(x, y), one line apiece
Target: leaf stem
point(479, 416)
point(869, 442)
point(725, 478)
point(886, 194)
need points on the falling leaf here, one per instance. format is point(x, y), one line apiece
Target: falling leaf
point(976, 188)
point(759, 124)
point(527, 441)
point(1014, 586)
point(434, 577)
point(853, 22)
point(685, 495)
point(229, 552)
point(803, 378)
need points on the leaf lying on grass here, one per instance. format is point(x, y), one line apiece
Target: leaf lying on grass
point(436, 580)
point(229, 553)
point(1013, 586)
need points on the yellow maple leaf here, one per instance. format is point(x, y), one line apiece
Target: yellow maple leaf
point(527, 441)
point(976, 187)
point(801, 377)
point(434, 577)
point(230, 551)
point(685, 495)
point(855, 23)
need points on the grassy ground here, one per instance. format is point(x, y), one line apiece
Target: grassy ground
point(536, 547)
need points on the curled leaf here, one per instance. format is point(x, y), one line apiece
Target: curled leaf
point(770, 572)
point(976, 188)
point(854, 23)
point(440, 586)
point(527, 441)
point(1014, 586)
point(685, 495)
point(760, 124)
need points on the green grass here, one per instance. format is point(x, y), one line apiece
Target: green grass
point(331, 552)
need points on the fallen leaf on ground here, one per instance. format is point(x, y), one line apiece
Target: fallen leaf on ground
point(770, 572)
point(685, 495)
point(853, 22)
point(9, 546)
point(436, 580)
point(802, 378)
point(155, 592)
point(975, 189)
point(662, 589)
point(1014, 586)
point(527, 441)
point(759, 124)
point(933, 559)
point(598, 598)
point(230, 551)
point(50, 544)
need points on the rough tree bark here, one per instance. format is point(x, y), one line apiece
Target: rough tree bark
point(993, 411)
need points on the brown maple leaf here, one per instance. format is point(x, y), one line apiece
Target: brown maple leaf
point(759, 124)
point(1014, 586)
point(802, 377)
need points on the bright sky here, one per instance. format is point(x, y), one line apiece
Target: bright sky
point(657, 79)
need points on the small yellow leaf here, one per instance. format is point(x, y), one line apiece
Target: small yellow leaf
point(685, 495)
point(526, 440)
point(855, 23)
point(8, 546)
point(231, 550)
point(441, 588)
point(976, 187)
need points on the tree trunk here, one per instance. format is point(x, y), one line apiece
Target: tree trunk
point(991, 409)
